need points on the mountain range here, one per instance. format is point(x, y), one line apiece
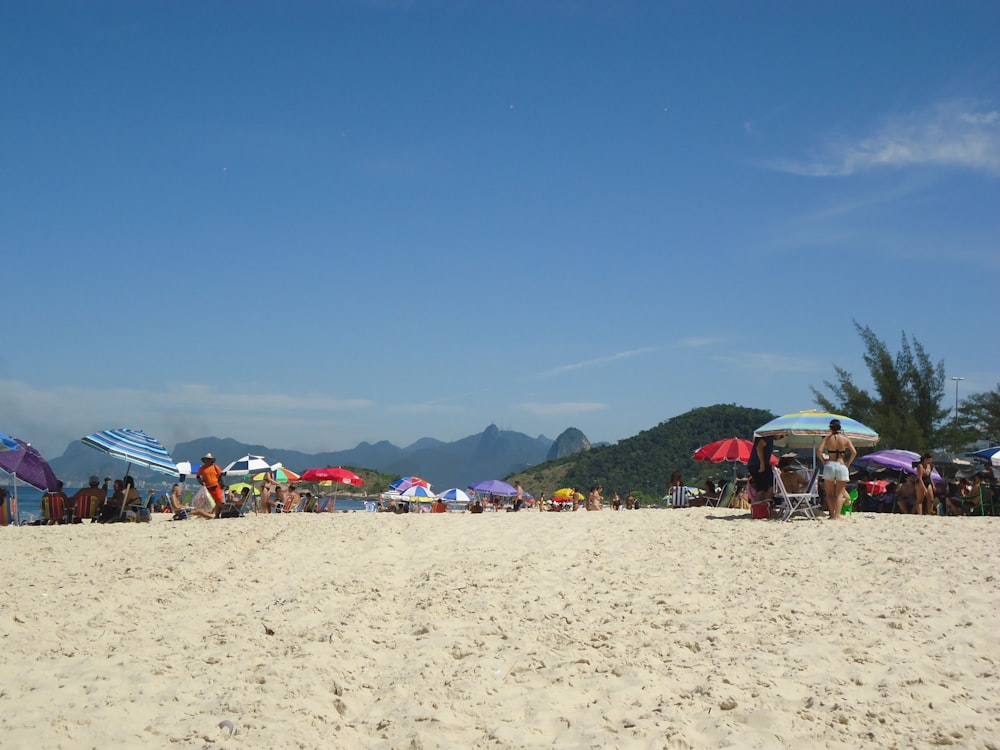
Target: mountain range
point(491, 454)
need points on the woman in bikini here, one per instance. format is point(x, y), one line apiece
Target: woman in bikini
point(925, 485)
point(836, 453)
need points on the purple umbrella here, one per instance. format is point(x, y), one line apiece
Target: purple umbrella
point(898, 460)
point(27, 465)
point(493, 487)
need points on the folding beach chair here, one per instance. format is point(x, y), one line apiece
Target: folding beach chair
point(726, 495)
point(804, 503)
point(678, 497)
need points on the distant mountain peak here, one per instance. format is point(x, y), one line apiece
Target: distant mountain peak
point(570, 441)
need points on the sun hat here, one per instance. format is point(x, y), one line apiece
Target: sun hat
point(208, 456)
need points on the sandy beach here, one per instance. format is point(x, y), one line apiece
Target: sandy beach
point(694, 628)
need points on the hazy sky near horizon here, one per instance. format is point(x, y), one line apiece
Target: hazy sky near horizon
point(310, 224)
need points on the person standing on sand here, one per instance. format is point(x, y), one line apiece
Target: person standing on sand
point(210, 477)
point(759, 466)
point(925, 485)
point(594, 499)
point(836, 453)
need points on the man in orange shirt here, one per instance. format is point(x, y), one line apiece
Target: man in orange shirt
point(210, 477)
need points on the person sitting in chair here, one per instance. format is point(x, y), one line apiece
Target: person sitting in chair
point(906, 495)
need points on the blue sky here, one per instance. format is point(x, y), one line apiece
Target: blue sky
point(310, 224)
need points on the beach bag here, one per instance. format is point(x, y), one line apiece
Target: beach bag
point(203, 501)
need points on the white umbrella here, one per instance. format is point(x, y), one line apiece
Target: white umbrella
point(247, 465)
point(455, 495)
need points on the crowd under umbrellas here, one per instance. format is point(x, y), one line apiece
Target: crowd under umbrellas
point(804, 429)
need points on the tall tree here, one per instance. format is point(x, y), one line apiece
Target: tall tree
point(979, 416)
point(905, 408)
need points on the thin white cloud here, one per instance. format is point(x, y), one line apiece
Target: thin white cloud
point(568, 408)
point(950, 134)
point(563, 369)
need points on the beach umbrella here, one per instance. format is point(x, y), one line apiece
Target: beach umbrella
point(806, 429)
point(281, 474)
point(25, 464)
point(731, 449)
point(895, 460)
point(133, 447)
point(493, 487)
point(7, 443)
point(566, 495)
point(455, 495)
point(334, 474)
point(418, 492)
point(987, 454)
point(404, 483)
point(247, 465)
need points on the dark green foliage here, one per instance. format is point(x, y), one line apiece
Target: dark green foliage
point(643, 464)
point(905, 408)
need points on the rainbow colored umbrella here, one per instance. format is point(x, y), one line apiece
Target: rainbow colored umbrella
point(806, 429)
point(281, 475)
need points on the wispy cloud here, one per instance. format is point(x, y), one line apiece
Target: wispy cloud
point(567, 408)
point(950, 134)
point(563, 369)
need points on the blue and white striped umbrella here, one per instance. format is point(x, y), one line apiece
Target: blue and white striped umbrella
point(247, 465)
point(455, 495)
point(418, 491)
point(134, 447)
point(806, 429)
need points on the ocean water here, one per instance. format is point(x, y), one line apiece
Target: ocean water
point(29, 500)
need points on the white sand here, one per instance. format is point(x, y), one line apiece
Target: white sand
point(692, 628)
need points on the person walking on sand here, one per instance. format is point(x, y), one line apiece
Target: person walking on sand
point(836, 453)
point(925, 485)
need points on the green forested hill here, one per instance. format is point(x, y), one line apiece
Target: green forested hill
point(643, 464)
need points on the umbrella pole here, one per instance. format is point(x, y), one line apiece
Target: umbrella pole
point(16, 503)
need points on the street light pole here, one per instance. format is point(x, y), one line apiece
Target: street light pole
point(956, 379)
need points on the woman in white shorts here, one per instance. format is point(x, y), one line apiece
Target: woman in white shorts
point(836, 453)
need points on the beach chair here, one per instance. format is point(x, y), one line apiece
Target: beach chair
point(804, 503)
point(678, 497)
point(726, 496)
point(54, 507)
point(986, 506)
point(139, 512)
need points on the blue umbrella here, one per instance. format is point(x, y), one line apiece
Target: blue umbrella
point(133, 447)
point(493, 487)
point(986, 454)
point(7, 443)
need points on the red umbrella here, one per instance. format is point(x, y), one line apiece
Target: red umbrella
point(332, 474)
point(730, 449)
